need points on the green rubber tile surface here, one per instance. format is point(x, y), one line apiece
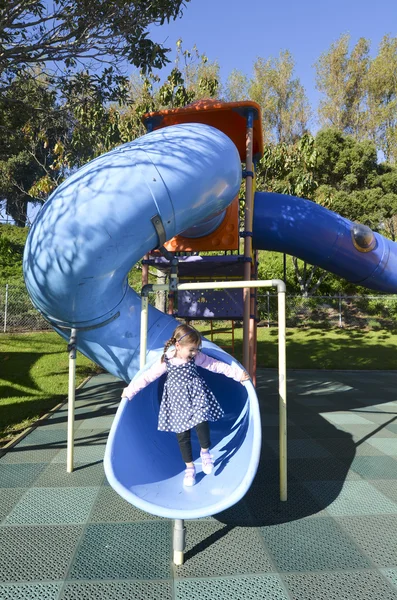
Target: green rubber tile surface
point(301, 449)
point(385, 445)
point(118, 590)
point(268, 587)
point(320, 469)
point(19, 475)
point(109, 507)
point(29, 454)
point(312, 545)
point(9, 497)
point(216, 550)
point(265, 506)
point(353, 498)
point(391, 575)
point(83, 453)
point(30, 591)
point(386, 487)
point(55, 475)
point(53, 506)
point(375, 536)
point(374, 467)
point(36, 553)
point(346, 418)
point(124, 551)
point(361, 585)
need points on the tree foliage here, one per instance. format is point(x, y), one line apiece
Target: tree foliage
point(342, 78)
point(34, 33)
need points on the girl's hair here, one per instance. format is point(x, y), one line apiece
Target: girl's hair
point(189, 335)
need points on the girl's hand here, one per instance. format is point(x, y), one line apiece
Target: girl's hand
point(244, 376)
point(124, 395)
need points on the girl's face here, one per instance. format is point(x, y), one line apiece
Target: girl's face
point(187, 351)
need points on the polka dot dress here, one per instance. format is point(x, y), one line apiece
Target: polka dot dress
point(187, 400)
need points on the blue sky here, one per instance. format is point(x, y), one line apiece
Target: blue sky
point(236, 33)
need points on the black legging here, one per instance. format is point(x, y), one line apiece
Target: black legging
point(185, 443)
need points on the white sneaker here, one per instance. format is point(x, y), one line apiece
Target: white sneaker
point(207, 462)
point(190, 477)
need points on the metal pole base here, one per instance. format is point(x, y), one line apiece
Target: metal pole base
point(179, 541)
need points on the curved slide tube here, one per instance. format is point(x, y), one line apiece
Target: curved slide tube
point(88, 235)
point(321, 237)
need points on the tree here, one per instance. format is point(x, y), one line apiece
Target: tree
point(34, 33)
point(342, 78)
point(49, 48)
point(353, 183)
point(285, 109)
point(289, 169)
point(236, 88)
point(382, 98)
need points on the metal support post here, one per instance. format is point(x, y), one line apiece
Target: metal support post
point(71, 399)
point(179, 541)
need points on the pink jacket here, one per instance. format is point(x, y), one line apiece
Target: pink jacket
point(202, 360)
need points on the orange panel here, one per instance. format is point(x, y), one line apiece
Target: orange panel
point(225, 237)
point(229, 117)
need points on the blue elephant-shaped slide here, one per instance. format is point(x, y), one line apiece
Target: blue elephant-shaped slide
point(99, 223)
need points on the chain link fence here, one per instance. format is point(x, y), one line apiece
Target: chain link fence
point(349, 312)
point(17, 313)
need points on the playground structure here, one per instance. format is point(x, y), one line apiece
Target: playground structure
point(175, 189)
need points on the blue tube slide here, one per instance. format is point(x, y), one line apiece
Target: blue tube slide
point(321, 237)
point(79, 251)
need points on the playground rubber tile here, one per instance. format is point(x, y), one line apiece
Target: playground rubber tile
point(375, 467)
point(55, 475)
point(375, 536)
point(353, 498)
point(319, 432)
point(386, 487)
point(302, 449)
point(36, 553)
point(217, 550)
point(118, 590)
point(359, 585)
point(312, 545)
point(104, 422)
point(268, 472)
point(19, 476)
point(238, 515)
point(9, 497)
point(346, 418)
point(30, 454)
point(319, 469)
point(391, 575)
point(53, 506)
point(109, 507)
point(345, 449)
point(45, 437)
point(231, 588)
point(314, 401)
point(83, 454)
point(385, 445)
point(30, 591)
point(266, 508)
point(124, 551)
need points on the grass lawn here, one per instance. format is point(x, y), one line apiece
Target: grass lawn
point(34, 367)
point(319, 348)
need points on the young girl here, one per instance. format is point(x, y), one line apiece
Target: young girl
point(187, 401)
